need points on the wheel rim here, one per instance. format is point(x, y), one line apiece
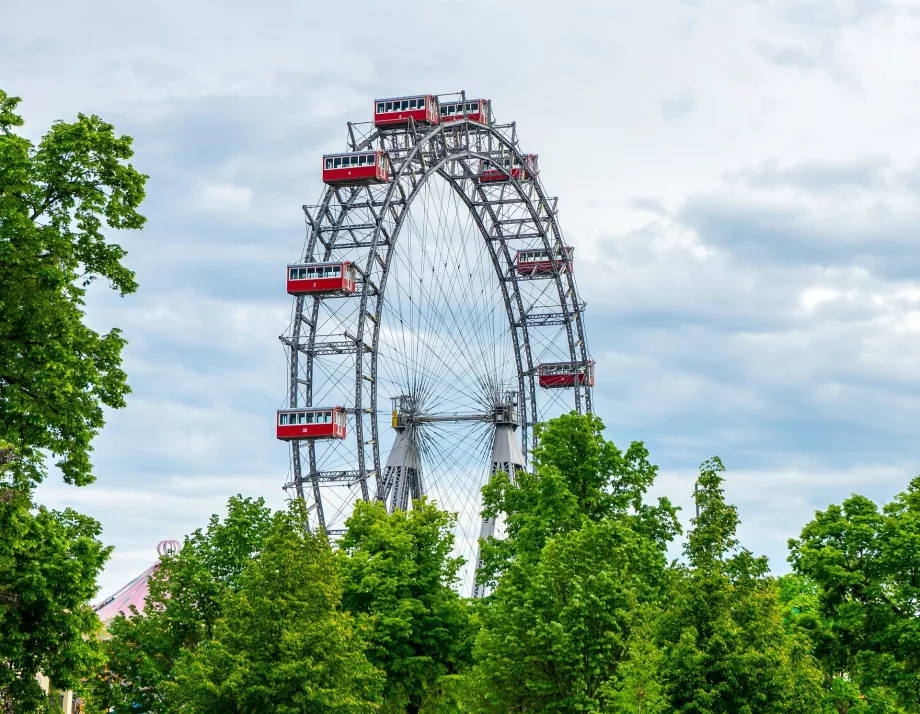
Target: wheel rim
point(440, 314)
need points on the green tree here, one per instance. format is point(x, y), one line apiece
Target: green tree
point(637, 688)
point(726, 650)
point(577, 476)
point(581, 567)
point(803, 615)
point(864, 564)
point(398, 577)
point(48, 566)
point(56, 373)
point(558, 626)
point(282, 643)
point(186, 600)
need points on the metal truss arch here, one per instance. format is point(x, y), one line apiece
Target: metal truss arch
point(363, 224)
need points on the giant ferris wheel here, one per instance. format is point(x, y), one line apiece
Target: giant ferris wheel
point(436, 318)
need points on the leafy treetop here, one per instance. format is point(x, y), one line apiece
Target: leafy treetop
point(48, 566)
point(282, 643)
point(186, 599)
point(577, 476)
point(865, 564)
point(56, 199)
point(398, 576)
point(726, 649)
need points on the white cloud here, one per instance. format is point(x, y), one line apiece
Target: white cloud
point(224, 198)
point(750, 269)
point(813, 297)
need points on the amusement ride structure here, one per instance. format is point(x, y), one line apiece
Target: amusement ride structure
point(436, 318)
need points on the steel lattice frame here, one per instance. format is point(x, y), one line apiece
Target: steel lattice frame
point(363, 224)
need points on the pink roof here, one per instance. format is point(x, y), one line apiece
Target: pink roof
point(135, 592)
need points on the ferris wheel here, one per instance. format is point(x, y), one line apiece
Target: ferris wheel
point(435, 320)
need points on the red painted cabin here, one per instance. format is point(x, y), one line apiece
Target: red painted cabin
point(321, 278)
point(535, 261)
point(477, 110)
point(562, 375)
point(311, 423)
point(356, 168)
point(498, 170)
point(398, 111)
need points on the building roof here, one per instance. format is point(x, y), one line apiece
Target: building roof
point(134, 592)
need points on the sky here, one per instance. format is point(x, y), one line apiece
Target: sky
point(740, 180)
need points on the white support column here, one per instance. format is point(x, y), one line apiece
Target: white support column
point(402, 475)
point(508, 457)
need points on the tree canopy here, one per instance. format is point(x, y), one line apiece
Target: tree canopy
point(586, 613)
point(57, 199)
point(583, 556)
point(48, 566)
point(399, 575)
point(860, 565)
point(283, 643)
point(186, 600)
point(725, 647)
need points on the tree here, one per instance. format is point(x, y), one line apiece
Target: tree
point(282, 643)
point(577, 476)
point(725, 647)
point(398, 575)
point(864, 564)
point(582, 565)
point(186, 599)
point(802, 613)
point(48, 566)
point(558, 627)
point(56, 373)
point(637, 688)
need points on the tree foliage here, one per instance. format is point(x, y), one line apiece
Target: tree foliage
point(842, 693)
point(559, 626)
point(577, 476)
point(56, 375)
point(282, 644)
point(586, 614)
point(864, 564)
point(56, 199)
point(186, 599)
point(582, 557)
point(398, 576)
point(726, 650)
point(48, 566)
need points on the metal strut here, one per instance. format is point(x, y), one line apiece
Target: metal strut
point(401, 482)
point(506, 457)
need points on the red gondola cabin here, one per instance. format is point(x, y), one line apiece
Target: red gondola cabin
point(477, 110)
point(311, 423)
point(533, 261)
point(356, 168)
point(321, 278)
point(489, 171)
point(398, 111)
point(563, 375)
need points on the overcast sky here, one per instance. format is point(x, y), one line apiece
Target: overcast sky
point(740, 180)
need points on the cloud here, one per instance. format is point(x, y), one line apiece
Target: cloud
point(223, 198)
point(825, 213)
point(815, 14)
point(677, 106)
point(819, 176)
point(792, 55)
point(750, 263)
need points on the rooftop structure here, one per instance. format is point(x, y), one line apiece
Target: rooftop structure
point(134, 592)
